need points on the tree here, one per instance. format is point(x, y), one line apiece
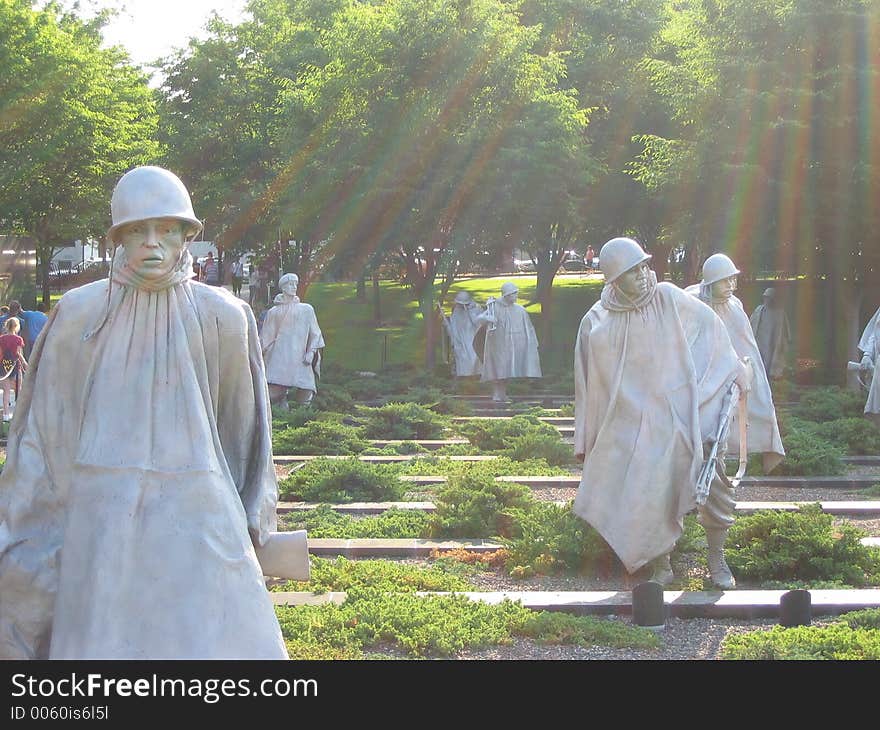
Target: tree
point(775, 156)
point(421, 110)
point(75, 118)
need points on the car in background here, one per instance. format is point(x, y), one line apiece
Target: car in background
point(573, 261)
point(524, 266)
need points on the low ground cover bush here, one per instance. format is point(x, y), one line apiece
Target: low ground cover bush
point(493, 436)
point(478, 506)
point(423, 626)
point(855, 435)
point(805, 546)
point(550, 448)
point(808, 454)
point(829, 403)
point(552, 539)
point(343, 480)
point(342, 574)
point(295, 417)
point(319, 437)
point(401, 421)
point(836, 642)
point(334, 398)
point(502, 466)
point(325, 522)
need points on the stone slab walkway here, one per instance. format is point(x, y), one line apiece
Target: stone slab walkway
point(683, 604)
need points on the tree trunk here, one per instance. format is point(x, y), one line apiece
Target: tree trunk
point(377, 301)
point(544, 295)
point(426, 304)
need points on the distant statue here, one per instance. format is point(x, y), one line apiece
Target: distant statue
point(139, 488)
point(772, 333)
point(292, 345)
point(869, 344)
point(654, 369)
point(716, 289)
point(511, 345)
point(461, 326)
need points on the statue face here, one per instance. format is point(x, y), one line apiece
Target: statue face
point(724, 288)
point(289, 285)
point(509, 298)
point(634, 282)
point(153, 246)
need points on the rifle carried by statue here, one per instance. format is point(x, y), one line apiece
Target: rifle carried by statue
point(714, 464)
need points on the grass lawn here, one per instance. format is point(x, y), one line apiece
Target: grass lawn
point(355, 340)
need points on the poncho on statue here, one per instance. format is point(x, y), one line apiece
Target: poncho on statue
point(773, 336)
point(139, 472)
point(650, 378)
point(511, 348)
point(461, 327)
point(289, 331)
point(870, 345)
point(763, 430)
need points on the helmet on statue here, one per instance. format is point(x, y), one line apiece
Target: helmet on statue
point(620, 255)
point(718, 267)
point(151, 192)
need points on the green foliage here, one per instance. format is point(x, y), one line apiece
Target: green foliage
point(835, 642)
point(829, 404)
point(502, 466)
point(866, 618)
point(342, 574)
point(295, 417)
point(343, 480)
point(451, 406)
point(489, 436)
point(333, 398)
point(552, 627)
point(76, 117)
point(401, 421)
point(566, 410)
point(855, 435)
point(438, 625)
point(552, 539)
point(808, 454)
point(325, 522)
point(477, 506)
point(319, 437)
point(550, 448)
point(456, 450)
point(803, 546)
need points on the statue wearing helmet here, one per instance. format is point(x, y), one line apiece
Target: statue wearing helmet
point(652, 368)
point(461, 327)
point(511, 345)
point(292, 345)
point(716, 290)
point(869, 345)
point(141, 449)
point(772, 333)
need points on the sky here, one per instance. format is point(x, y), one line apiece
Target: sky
point(150, 29)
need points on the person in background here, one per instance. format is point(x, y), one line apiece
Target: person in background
point(31, 323)
point(4, 311)
point(589, 256)
point(210, 271)
point(12, 364)
point(237, 276)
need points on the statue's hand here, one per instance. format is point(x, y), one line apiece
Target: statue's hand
point(745, 375)
point(867, 363)
point(308, 357)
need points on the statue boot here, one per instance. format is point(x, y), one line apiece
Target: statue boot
point(718, 568)
point(662, 570)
